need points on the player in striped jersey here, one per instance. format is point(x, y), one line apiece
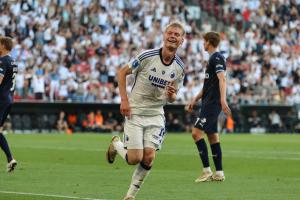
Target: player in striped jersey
point(158, 75)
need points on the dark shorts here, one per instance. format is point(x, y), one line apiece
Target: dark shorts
point(207, 120)
point(4, 111)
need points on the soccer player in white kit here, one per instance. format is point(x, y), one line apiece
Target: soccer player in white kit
point(158, 75)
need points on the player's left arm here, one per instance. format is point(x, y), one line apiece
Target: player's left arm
point(171, 92)
point(173, 87)
point(222, 85)
point(1, 79)
point(220, 70)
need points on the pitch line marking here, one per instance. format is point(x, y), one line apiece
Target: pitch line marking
point(48, 195)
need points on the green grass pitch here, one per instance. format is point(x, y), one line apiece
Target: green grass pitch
point(52, 166)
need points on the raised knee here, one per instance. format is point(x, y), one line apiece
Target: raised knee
point(148, 159)
point(134, 160)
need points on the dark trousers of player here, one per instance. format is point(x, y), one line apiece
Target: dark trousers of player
point(4, 111)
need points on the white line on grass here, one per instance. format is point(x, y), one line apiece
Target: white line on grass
point(47, 195)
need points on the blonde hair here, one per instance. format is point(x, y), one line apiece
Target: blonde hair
point(177, 24)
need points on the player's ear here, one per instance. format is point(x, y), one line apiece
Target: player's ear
point(182, 41)
point(164, 35)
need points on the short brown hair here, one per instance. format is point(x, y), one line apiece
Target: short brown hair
point(6, 42)
point(177, 24)
point(213, 38)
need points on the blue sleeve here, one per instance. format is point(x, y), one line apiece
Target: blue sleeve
point(2, 68)
point(220, 65)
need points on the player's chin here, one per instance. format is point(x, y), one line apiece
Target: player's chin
point(172, 47)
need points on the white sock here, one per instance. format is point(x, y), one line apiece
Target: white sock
point(137, 180)
point(206, 169)
point(119, 146)
point(220, 173)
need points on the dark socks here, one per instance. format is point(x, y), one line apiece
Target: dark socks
point(217, 156)
point(202, 148)
point(4, 146)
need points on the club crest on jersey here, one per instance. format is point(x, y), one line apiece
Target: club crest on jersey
point(135, 64)
point(153, 69)
point(172, 75)
point(206, 75)
point(163, 72)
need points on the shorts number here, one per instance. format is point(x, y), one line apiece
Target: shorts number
point(197, 121)
point(161, 134)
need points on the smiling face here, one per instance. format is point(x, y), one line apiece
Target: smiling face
point(173, 37)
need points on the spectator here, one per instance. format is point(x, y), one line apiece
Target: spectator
point(61, 124)
point(255, 123)
point(275, 122)
point(72, 50)
point(73, 122)
point(99, 121)
point(38, 84)
point(91, 122)
point(112, 124)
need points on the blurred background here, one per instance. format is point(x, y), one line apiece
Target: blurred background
point(69, 52)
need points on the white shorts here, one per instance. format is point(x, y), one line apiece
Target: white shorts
point(142, 131)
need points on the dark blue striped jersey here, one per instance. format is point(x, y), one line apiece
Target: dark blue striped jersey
point(8, 70)
point(211, 89)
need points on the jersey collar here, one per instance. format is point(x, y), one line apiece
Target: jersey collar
point(162, 60)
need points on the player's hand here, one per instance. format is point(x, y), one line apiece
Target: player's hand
point(125, 108)
point(191, 105)
point(225, 108)
point(171, 89)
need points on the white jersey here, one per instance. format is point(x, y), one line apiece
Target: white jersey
point(148, 94)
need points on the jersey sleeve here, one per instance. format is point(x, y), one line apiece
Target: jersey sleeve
point(179, 80)
point(2, 69)
point(220, 65)
point(136, 64)
point(139, 62)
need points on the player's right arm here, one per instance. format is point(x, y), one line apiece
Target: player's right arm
point(133, 67)
point(191, 105)
point(124, 107)
point(2, 72)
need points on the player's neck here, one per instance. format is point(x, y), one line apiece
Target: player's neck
point(167, 55)
point(211, 51)
point(4, 53)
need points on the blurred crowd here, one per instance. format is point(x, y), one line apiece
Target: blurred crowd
point(71, 50)
point(94, 121)
point(263, 47)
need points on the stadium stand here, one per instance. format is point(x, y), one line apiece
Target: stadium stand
point(71, 50)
